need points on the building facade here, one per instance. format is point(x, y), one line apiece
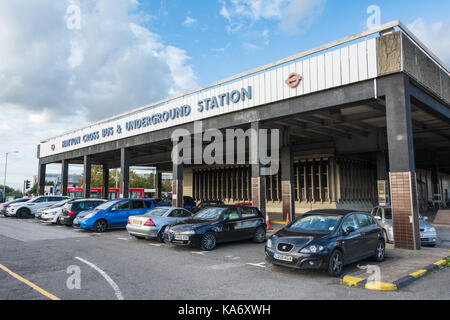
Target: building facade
point(360, 121)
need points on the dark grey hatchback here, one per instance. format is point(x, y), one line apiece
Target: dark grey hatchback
point(326, 240)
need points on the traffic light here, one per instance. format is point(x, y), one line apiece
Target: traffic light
point(27, 184)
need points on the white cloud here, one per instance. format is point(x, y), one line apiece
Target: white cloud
point(53, 79)
point(189, 21)
point(293, 16)
point(436, 36)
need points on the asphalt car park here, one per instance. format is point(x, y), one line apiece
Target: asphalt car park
point(115, 265)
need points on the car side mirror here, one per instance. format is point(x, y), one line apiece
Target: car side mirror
point(349, 230)
point(113, 209)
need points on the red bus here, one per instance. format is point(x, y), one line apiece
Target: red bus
point(96, 193)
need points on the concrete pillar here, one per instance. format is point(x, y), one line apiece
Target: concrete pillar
point(124, 173)
point(436, 188)
point(177, 186)
point(158, 185)
point(87, 177)
point(64, 177)
point(41, 180)
point(105, 182)
point(382, 177)
point(287, 177)
point(401, 162)
point(258, 180)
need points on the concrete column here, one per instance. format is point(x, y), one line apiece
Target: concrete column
point(401, 162)
point(64, 177)
point(436, 182)
point(105, 182)
point(87, 177)
point(258, 180)
point(177, 186)
point(41, 180)
point(158, 185)
point(287, 177)
point(124, 173)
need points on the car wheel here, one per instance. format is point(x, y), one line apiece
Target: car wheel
point(23, 214)
point(100, 226)
point(260, 235)
point(160, 236)
point(208, 241)
point(380, 251)
point(336, 264)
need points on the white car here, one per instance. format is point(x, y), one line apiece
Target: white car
point(51, 214)
point(30, 208)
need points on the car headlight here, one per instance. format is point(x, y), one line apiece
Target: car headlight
point(190, 232)
point(312, 249)
point(90, 215)
point(269, 243)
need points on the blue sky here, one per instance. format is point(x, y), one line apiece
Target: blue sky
point(205, 38)
point(130, 53)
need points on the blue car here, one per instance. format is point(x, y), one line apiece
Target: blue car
point(112, 214)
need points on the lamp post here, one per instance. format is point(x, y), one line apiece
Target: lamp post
point(4, 178)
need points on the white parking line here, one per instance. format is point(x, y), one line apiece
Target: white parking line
point(260, 265)
point(104, 275)
point(156, 244)
point(200, 253)
point(124, 239)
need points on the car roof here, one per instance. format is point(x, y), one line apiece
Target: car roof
point(84, 200)
point(337, 212)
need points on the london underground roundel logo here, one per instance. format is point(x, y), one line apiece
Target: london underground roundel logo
point(293, 80)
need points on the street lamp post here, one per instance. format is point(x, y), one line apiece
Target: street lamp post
point(4, 178)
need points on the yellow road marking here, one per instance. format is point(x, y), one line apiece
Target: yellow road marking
point(28, 283)
point(419, 273)
point(278, 222)
point(440, 262)
point(381, 286)
point(352, 281)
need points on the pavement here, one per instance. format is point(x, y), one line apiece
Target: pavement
point(42, 262)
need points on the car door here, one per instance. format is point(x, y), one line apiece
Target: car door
point(369, 232)
point(230, 225)
point(118, 215)
point(351, 242)
point(250, 221)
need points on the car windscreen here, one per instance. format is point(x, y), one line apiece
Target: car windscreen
point(105, 205)
point(209, 214)
point(156, 212)
point(60, 203)
point(316, 223)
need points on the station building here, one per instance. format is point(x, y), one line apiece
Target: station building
point(363, 120)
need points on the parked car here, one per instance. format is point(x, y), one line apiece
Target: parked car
point(383, 214)
point(5, 205)
point(327, 240)
point(154, 222)
point(112, 214)
point(216, 225)
point(207, 203)
point(52, 213)
point(71, 210)
point(28, 209)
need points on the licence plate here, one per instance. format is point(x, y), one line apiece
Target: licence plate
point(181, 237)
point(137, 222)
point(282, 257)
point(61, 218)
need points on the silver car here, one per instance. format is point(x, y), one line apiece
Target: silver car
point(152, 224)
point(383, 214)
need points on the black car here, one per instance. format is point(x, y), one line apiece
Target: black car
point(5, 205)
point(327, 240)
point(206, 204)
point(73, 208)
point(216, 225)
